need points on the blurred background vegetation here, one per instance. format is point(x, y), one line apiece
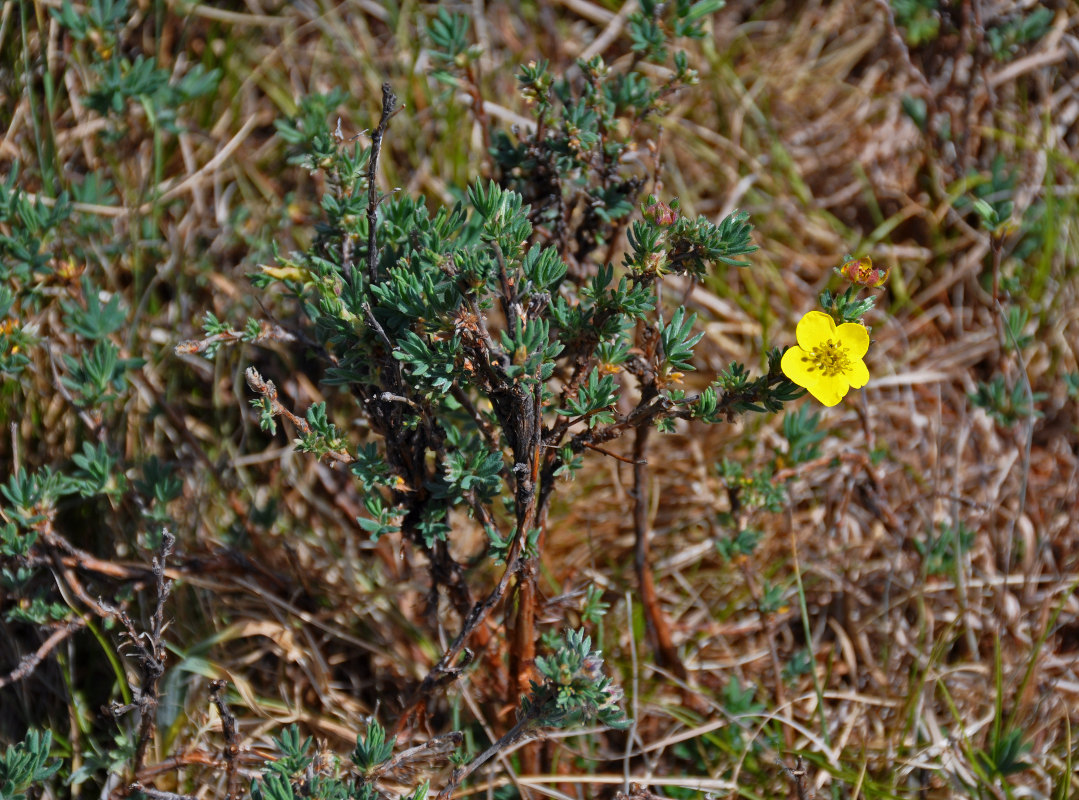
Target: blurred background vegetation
point(887, 588)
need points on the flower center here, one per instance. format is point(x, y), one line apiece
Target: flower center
point(830, 358)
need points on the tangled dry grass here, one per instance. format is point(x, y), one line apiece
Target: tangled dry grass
point(799, 120)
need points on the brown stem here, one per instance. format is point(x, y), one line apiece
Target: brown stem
point(658, 629)
point(515, 734)
point(268, 390)
point(523, 650)
point(30, 662)
point(797, 777)
point(156, 794)
point(232, 739)
point(389, 108)
point(151, 655)
point(270, 333)
point(443, 671)
point(478, 110)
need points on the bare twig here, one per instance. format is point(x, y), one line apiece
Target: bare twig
point(150, 651)
point(31, 661)
point(605, 452)
point(797, 776)
point(269, 333)
point(156, 794)
point(389, 108)
point(519, 731)
point(232, 739)
point(658, 629)
point(400, 767)
point(444, 671)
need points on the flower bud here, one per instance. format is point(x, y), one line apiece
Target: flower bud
point(661, 214)
point(862, 272)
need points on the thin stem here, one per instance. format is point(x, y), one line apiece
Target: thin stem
point(389, 108)
point(151, 653)
point(30, 662)
point(232, 739)
point(658, 629)
point(442, 671)
point(515, 734)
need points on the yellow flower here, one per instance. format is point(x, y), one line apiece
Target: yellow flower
point(827, 360)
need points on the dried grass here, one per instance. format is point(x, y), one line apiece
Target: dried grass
point(801, 124)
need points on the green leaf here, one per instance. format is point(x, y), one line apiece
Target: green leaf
point(373, 749)
point(677, 340)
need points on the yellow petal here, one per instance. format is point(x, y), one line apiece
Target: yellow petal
point(854, 338)
point(858, 375)
point(795, 365)
point(829, 390)
point(814, 328)
point(287, 273)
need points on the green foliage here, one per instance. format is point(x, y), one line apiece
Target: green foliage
point(739, 701)
point(382, 518)
point(14, 544)
point(574, 690)
point(1006, 405)
point(33, 494)
point(94, 473)
point(473, 471)
point(594, 607)
point(941, 551)
point(26, 765)
point(499, 546)
point(773, 598)
point(103, 17)
point(802, 435)
point(295, 754)
point(99, 375)
point(39, 611)
point(447, 34)
point(1071, 383)
point(744, 543)
point(108, 757)
point(96, 321)
point(736, 391)
point(1003, 756)
point(1015, 324)
point(758, 490)
point(917, 109)
point(846, 307)
point(121, 80)
point(323, 436)
point(667, 242)
point(159, 482)
point(459, 321)
point(799, 663)
point(312, 144)
point(373, 749)
point(1015, 30)
point(29, 227)
point(992, 197)
point(648, 27)
point(299, 772)
point(919, 19)
point(678, 340)
point(595, 397)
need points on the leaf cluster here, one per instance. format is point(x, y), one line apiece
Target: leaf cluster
point(301, 772)
point(1006, 405)
point(574, 689)
point(26, 764)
